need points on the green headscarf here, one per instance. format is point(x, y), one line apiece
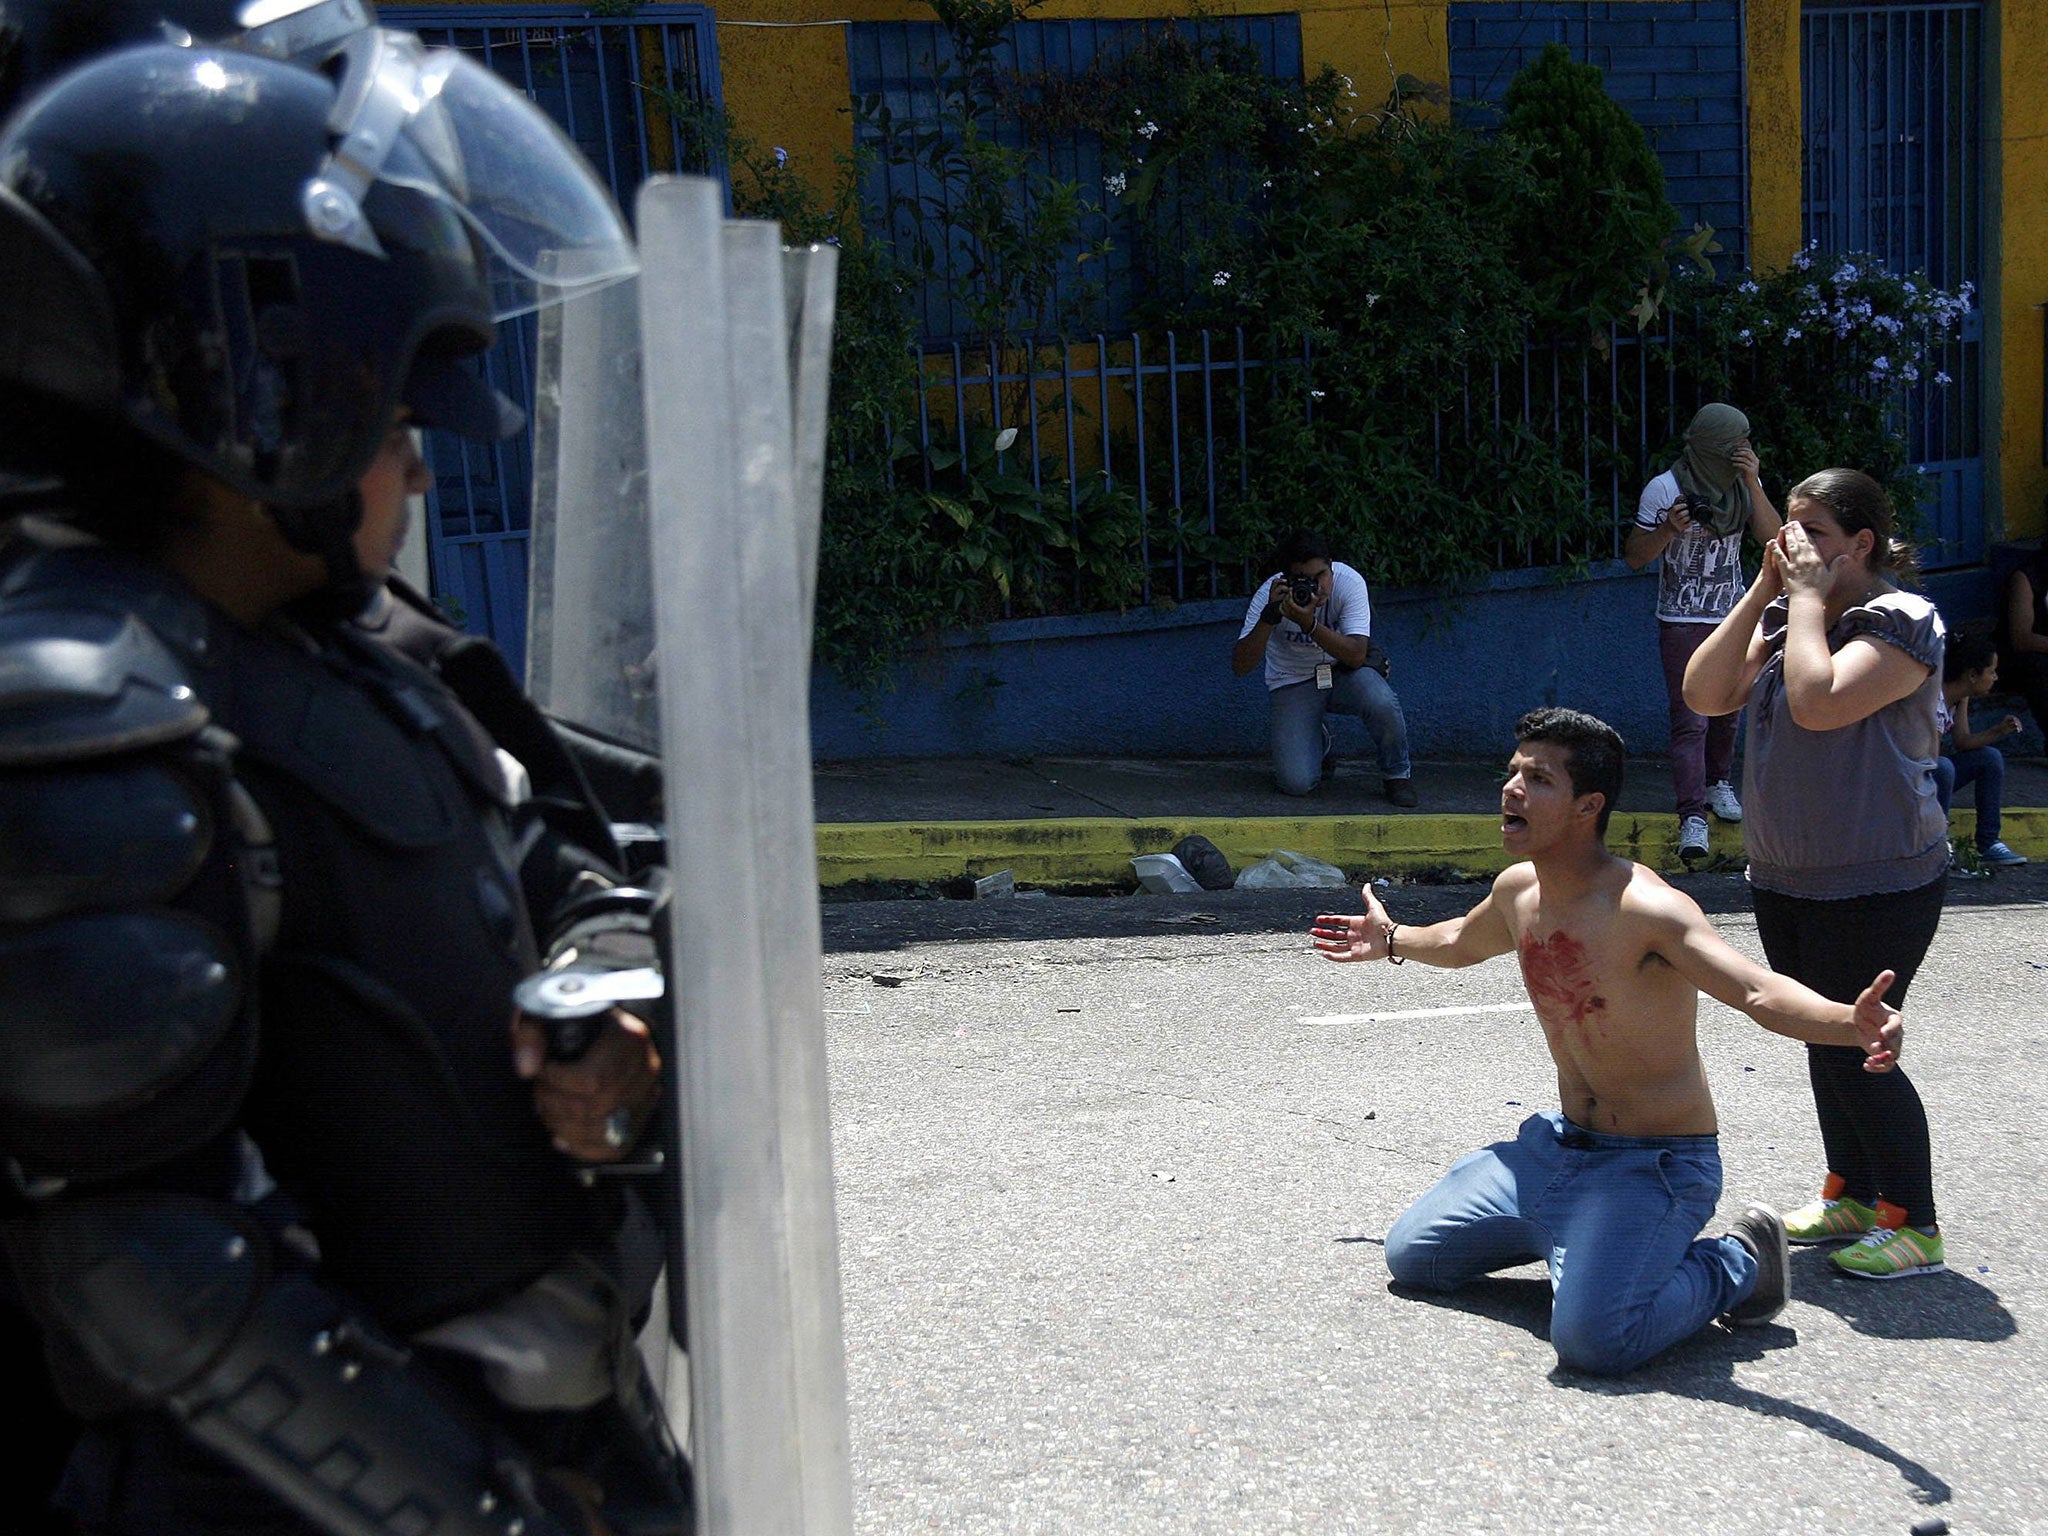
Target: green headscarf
point(1714, 492)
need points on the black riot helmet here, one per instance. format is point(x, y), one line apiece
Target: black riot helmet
point(250, 264)
point(41, 39)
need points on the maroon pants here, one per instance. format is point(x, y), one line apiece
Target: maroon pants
point(1702, 749)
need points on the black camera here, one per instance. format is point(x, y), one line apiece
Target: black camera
point(1303, 590)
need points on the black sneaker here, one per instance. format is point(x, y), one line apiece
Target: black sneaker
point(1401, 792)
point(1762, 1231)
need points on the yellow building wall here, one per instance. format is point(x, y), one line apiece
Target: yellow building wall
point(2016, 240)
point(1776, 141)
point(785, 76)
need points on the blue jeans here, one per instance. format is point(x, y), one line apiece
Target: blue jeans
point(1298, 711)
point(1984, 767)
point(1615, 1217)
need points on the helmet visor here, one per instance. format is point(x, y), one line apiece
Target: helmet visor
point(545, 225)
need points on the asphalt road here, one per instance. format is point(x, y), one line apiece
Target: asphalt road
point(1113, 1181)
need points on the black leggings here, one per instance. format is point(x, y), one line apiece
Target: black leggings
point(1872, 1124)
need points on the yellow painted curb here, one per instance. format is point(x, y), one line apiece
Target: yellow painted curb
point(1098, 850)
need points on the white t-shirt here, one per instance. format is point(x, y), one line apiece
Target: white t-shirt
point(1701, 581)
point(1291, 657)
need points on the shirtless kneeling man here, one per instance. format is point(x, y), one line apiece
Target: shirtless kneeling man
point(1612, 1191)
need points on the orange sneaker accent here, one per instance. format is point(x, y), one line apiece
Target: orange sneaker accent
point(1890, 1217)
point(1832, 1186)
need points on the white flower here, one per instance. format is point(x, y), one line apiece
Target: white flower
point(1745, 336)
point(1114, 185)
point(781, 157)
point(1943, 380)
point(1315, 394)
point(1147, 129)
point(1371, 299)
point(1746, 287)
point(1221, 280)
point(1005, 438)
point(1792, 334)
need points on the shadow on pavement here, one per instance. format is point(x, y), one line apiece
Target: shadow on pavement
point(1950, 1305)
point(1702, 1367)
point(1519, 1302)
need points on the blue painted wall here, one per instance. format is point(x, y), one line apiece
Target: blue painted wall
point(1158, 683)
point(1676, 65)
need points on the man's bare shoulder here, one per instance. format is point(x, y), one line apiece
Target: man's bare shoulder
point(1514, 880)
point(1650, 898)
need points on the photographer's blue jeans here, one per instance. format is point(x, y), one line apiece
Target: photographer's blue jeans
point(1984, 767)
point(1298, 711)
point(1617, 1220)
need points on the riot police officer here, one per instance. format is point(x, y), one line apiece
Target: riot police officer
point(306, 1238)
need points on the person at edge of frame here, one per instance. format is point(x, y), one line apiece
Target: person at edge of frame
point(339, 1273)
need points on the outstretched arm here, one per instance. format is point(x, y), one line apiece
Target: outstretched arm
point(1479, 935)
point(1778, 1003)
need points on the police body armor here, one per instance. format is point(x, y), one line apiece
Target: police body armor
point(255, 892)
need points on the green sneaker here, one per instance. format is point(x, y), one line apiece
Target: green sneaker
point(1830, 1221)
point(1893, 1254)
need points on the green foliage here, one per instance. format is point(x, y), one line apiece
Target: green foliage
point(1592, 235)
point(1388, 269)
point(1820, 356)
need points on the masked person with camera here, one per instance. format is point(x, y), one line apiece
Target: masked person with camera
point(1311, 624)
point(306, 1228)
point(1692, 517)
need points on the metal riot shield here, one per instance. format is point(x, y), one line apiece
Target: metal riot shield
point(590, 598)
point(675, 568)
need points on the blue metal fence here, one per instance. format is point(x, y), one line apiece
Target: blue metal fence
point(1894, 166)
point(1167, 417)
point(905, 65)
point(624, 88)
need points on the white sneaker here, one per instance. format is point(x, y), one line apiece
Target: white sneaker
point(1722, 802)
point(1692, 840)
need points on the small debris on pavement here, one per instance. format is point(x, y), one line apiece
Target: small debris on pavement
point(894, 978)
point(1188, 917)
point(1002, 883)
point(1066, 1010)
point(1930, 1525)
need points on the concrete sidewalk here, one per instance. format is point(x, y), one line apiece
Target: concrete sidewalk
point(1064, 821)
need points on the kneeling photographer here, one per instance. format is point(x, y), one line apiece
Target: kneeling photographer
point(1312, 625)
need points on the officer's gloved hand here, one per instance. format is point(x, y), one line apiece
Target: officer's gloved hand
point(597, 1105)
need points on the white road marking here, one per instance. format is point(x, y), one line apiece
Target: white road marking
point(1321, 1020)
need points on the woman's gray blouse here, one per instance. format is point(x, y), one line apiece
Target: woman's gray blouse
point(1852, 811)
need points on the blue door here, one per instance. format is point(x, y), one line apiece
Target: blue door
point(628, 90)
point(1894, 120)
